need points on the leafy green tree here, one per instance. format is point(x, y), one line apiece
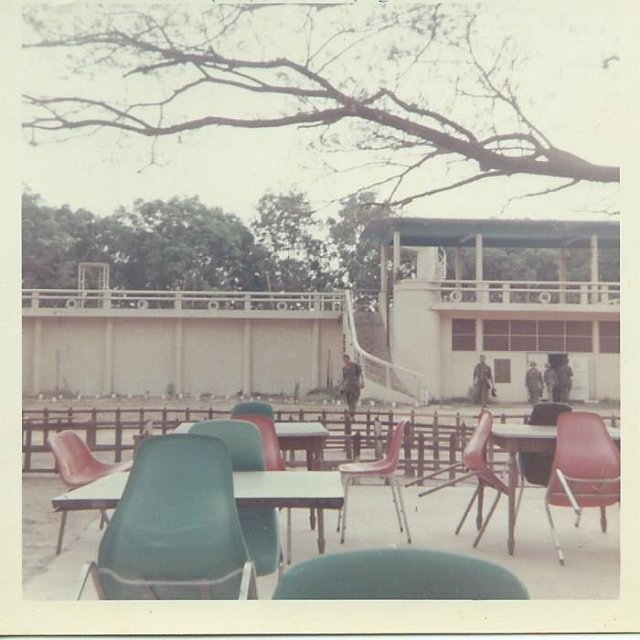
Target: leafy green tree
point(286, 228)
point(54, 240)
point(356, 262)
point(182, 244)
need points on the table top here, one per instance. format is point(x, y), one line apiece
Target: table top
point(283, 429)
point(536, 432)
point(273, 488)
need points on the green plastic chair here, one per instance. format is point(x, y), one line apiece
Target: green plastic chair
point(261, 527)
point(176, 533)
point(252, 408)
point(398, 574)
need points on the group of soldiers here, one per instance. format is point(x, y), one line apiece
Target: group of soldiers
point(557, 380)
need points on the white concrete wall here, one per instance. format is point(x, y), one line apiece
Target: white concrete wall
point(416, 332)
point(104, 355)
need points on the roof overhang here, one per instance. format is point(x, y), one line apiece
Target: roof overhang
point(424, 232)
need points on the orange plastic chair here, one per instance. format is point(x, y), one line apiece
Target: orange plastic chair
point(384, 469)
point(586, 469)
point(78, 466)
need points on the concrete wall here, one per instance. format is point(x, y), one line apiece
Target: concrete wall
point(135, 355)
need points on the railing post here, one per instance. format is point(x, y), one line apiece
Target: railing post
point(452, 454)
point(357, 445)
point(377, 438)
point(436, 441)
point(164, 420)
point(92, 429)
point(408, 441)
point(118, 438)
point(177, 303)
point(35, 300)
point(347, 436)
point(28, 442)
point(421, 458)
point(118, 433)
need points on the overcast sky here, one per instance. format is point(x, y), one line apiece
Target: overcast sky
point(571, 93)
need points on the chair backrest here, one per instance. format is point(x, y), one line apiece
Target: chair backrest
point(266, 426)
point(76, 463)
point(586, 453)
point(393, 455)
point(402, 574)
point(176, 521)
point(546, 414)
point(474, 455)
point(242, 439)
point(252, 407)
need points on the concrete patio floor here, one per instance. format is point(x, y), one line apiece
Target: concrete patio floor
point(592, 569)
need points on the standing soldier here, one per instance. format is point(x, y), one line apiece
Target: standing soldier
point(533, 382)
point(550, 381)
point(565, 375)
point(352, 382)
point(482, 381)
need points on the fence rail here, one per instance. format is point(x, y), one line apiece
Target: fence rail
point(432, 441)
point(75, 299)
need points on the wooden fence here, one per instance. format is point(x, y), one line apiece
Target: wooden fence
point(431, 441)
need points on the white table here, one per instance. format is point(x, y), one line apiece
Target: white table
point(296, 489)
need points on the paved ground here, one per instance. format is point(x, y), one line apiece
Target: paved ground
point(585, 591)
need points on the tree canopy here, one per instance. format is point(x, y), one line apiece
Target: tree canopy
point(414, 90)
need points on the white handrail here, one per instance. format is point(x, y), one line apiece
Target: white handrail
point(388, 368)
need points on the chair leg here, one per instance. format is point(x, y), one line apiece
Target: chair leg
point(466, 511)
point(603, 519)
point(486, 520)
point(393, 486)
point(402, 509)
point(520, 495)
point(288, 543)
point(63, 522)
point(554, 535)
point(344, 511)
point(104, 518)
point(84, 574)
point(480, 505)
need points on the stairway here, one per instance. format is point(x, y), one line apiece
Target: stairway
point(372, 337)
point(372, 334)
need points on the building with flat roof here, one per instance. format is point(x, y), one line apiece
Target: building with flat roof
point(439, 322)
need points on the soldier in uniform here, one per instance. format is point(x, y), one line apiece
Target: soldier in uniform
point(482, 381)
point(534, 384)
point(565, 375)
point(352, 382)
point(550, 381)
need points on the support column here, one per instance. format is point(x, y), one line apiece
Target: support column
point(36, 357)
point(457, 264)
point(594, 392)
point(315, 354)
point(562, 274)
point(107, 362)
point(384, 283)
point(396, 256)
point(482, 290)
point(246, 358)
point(179, 356)
point(593, 268)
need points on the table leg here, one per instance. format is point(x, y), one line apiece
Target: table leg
point(320, 531)
point(513, 486)
point(312, 513)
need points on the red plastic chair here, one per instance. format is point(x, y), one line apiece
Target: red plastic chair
point(474, 459)
point(384, 469)
point(586, 469)
point(272, 455)
point(78, 466)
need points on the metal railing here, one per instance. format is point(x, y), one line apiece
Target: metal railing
point(385, 374)
point(181, 300)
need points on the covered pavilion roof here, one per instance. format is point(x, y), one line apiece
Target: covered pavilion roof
point(458, 232)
